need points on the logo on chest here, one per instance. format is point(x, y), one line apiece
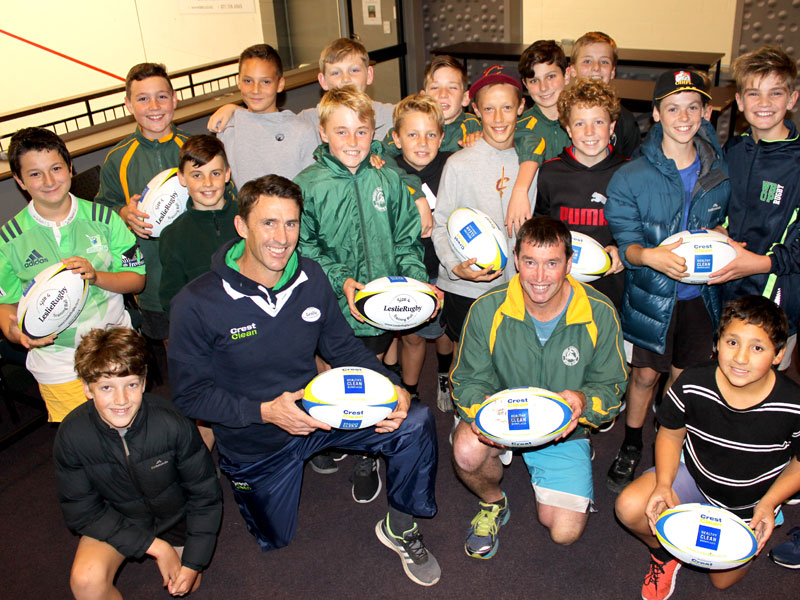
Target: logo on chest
point(771, 193)
point(379, 200)
point(570, 356)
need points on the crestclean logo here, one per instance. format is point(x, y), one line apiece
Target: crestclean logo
point(159, 463)
point(35, 259)
point(570, 356)
point(771, 192)
point(379, 200)
point(245, 331)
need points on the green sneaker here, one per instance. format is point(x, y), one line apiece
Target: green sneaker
point(482, 538)
point(419, 564)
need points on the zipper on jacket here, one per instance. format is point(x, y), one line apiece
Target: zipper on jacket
point(133, 475)
point(363, 230)
point(216, 223)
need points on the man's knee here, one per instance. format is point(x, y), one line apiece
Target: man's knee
point(565, 526)
point(566, 533)
point(629, 506)
point(469, 453)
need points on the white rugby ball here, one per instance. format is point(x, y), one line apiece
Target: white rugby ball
point(523, 417)
point(589, 260)
point(164, 199)
point(706, 536)
point(51, 302)
point(395, 303)
point(704, 251)
point(350, 397)
point(473, 234)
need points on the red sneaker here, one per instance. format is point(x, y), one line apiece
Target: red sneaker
point(659, 583)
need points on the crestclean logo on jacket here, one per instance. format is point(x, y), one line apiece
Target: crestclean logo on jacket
point(244, 331)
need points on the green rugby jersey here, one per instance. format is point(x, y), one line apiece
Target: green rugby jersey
point(30, 243)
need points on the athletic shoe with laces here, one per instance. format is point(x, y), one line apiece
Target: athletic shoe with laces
point(443, 400)
point(324, 463)
point(659, 583)
point(787, 554)
point(623, 468)
point(366, 479)
point(419, 564)
point(482, 538)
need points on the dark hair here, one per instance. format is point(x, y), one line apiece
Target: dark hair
point(759, 311)
point(541, 52)
point(144, 71)
point(111, 352)
point(263, 52)
point(201, 150)
point(35, 139)
point(544, 231)
point(268, 185)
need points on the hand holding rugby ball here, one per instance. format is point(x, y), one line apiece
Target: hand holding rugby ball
point(396, 303)
point(704, 251)
point(164, 199)
point(473, 234)
point(51, 302)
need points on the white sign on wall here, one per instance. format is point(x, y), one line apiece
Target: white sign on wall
point(216, 6)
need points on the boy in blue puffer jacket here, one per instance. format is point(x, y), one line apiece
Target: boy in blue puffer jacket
point(680, 182)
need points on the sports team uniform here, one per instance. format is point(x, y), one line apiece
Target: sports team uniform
point(555, 137)
point(500, 348)
point(733, 455)
point(31, 243)
point(235, 344)
point(576, 194)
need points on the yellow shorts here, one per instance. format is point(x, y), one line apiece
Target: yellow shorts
point(61, 398)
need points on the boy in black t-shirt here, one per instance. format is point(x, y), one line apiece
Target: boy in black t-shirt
point(737, 423)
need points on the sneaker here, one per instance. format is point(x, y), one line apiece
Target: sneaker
point(787, 554)
point(659, 583)
point(506, 457)
point(622, 469)
point(482, 538)
point(337, 455)
point(793, 500)
point(324, 463)
point(366, 479)
point(607, 426)
point(443, 401)
point(419, 564)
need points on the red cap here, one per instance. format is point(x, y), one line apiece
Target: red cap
point(491, 76)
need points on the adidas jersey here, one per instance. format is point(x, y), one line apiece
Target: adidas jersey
point(29, 244)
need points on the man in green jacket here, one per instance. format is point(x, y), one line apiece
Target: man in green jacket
point(541, 329)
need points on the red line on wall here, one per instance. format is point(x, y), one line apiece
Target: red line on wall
point(75, 60)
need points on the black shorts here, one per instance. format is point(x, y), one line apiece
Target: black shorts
point(690, 340)
point(454, 313)
point(378, 344)
point(155, 324)
point(176, 535)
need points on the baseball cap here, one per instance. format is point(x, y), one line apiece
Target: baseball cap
point(672, 82)
point(491, 76)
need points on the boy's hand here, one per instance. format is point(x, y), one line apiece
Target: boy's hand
point(184, 582)
point(745, 264)
point(762, 524)
point(395, 418)
point(221, 116)
point(464, 272)
point(470, 139)
point(519, 210)
point(616, 263)
point(168, 561)
point(26, 341)
point(662, 498)
point(439, 297)
point(81, 266)
point(283, 412)
point(576, 401)
point(133, 217)
point(425, 216)
point(350, 287)
point(664, 260)
point(376, 161)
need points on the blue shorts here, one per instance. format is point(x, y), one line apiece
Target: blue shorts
point(561, 474)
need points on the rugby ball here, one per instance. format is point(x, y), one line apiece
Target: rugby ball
point(704, 251)
point(51, 301)
point(396, 303)
point(523, 417)
point(706, 536)
point(473, 234)
point(350, 397)
point(589, 260)
point(164, 199)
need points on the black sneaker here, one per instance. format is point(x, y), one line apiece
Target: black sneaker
point(443, 400)
point(787, 554)
point(324, 463)
point(366, 479)
point(337, 455)
point(622, 469)
point(419, 564)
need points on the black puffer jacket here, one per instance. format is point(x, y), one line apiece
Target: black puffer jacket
point(126, 491)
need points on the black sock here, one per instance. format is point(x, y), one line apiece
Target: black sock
point(633, 437)
point(412, 388)
point(399, 522)
point(444, 360)
point(661, 554)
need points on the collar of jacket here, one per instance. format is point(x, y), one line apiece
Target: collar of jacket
point(162, 140)
point(324, 157)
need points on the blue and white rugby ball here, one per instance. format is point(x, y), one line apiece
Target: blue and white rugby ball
point(523, 417)
point(473, 234)
point(396, 303)
point(590, 261)
point(704, 251)
point(706, 536)
point(164, 199)
point(51, 302)
point(350, 397)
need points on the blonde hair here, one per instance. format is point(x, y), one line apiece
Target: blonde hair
point(349, 97)
point(767, 60)
point(441, 61)
point(338, 49)
point(421, 103)
point(587, 93)
point(593, 37)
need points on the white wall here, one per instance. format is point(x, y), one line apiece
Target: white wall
point(704, 26)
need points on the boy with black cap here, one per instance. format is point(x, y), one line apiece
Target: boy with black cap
point(680, 182)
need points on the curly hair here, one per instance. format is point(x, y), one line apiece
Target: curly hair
point(587, 93)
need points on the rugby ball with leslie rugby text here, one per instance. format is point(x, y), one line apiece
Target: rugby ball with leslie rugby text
point(590, 261)
point(706, 536)
point(396, 303)
point(51, 302)
point(164, 199)
point(350, 397)
point(473, 234)
point(704, 251)
point(523, 417)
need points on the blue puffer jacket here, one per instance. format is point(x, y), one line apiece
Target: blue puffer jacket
point(645, 206)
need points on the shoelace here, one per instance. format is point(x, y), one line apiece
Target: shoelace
point(485, 522)
point(416, 549)
point(656, 571)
